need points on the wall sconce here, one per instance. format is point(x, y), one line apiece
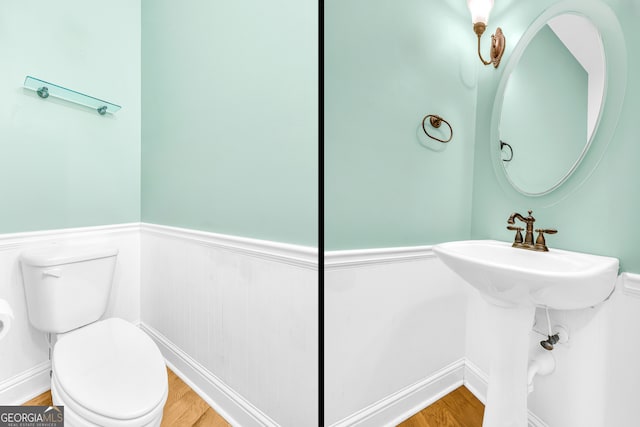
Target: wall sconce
point(480, 16)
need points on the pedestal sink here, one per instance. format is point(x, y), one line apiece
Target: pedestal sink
point(516, 281)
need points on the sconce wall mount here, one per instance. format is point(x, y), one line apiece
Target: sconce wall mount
point(480, 10)
point(497, 44)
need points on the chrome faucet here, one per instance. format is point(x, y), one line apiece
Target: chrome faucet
point(540, 244)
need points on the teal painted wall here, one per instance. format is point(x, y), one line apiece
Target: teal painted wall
point(230, 117)
point(542, 134)
point(387, 65)
point(600, 216)
point(62, 165)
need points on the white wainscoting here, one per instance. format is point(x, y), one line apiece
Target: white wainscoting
point(629, 284)
point(237, 318)
point(620, 339)
point(393, 334)
point(24, 370)
point(396, 341)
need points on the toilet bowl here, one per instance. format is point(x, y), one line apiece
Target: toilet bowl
point(109, 374)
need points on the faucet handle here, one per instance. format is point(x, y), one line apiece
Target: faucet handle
point(546, 230)
point(518, 238)
point(541, 245)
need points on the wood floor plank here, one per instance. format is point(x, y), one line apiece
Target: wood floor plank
point(473, 401)
point(416, 420)
point(177, 387)
point(43, 399)
point(466, 412)
point(184, 408)
point(211, 419)
point(184, 412)
point(440, 415)
point(460, 408)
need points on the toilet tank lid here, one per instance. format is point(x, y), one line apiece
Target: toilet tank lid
point(58, 255)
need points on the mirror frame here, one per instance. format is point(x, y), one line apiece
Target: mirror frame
point(615, 59)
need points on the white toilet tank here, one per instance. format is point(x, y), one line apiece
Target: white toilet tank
point(67, 287)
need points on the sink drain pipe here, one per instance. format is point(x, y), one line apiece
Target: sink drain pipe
point(543, 363)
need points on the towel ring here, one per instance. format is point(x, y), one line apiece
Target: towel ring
point(502, 145)
point(436, 121)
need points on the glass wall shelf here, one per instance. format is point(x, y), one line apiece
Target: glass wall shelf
point(46, 89)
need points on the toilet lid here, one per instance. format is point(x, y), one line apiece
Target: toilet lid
point(111, 368)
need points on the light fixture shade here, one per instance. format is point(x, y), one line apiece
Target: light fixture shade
point(480, 10)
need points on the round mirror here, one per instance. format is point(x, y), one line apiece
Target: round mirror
point(551, 103)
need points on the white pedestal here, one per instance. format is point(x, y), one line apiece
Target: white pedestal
point(507, 392)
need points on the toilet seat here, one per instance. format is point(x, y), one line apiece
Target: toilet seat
point(77, 416)
point(110, 373)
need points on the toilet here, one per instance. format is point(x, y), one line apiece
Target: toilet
point(107, 372)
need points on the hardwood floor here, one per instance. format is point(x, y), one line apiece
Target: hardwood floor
point(460, 408)
point(184, 408)
point(42, 400)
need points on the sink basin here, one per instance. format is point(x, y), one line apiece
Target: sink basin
point(510, 276)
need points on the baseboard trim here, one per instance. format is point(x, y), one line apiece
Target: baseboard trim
point(300, 256)
point(25, 386)
point(534, 421)
point(363, 257)
point(399, 406)
point(225, 401)
point(476, 381)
